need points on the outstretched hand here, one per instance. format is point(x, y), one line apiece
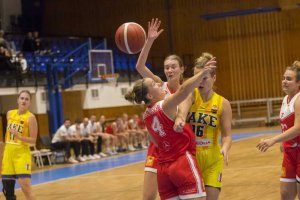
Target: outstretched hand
point(153, 27)
point(265, 144)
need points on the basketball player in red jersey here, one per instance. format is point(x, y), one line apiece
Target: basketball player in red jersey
point(173, 68)
point(178, 175)
point(290, 125)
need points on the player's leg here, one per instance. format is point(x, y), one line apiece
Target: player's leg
point(150, 186)
point(288, 190)
point(150, 177)
point(212, 174)
point(186, 176)
point(288, 184)
point(9, 188)
point(25, 184)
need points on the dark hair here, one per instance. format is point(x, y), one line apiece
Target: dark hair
point(67, 119)
point(296, 68)
point(138, 94)
point(78, 121)
point(25, 91)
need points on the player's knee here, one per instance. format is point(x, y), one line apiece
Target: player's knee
point(9, 189)
point(287, 195)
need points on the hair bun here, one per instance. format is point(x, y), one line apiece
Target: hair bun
point(296, 63)
point(130, 96)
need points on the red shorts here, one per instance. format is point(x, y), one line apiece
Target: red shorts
point(151, 161)
point(290, 171)
point(180, 179)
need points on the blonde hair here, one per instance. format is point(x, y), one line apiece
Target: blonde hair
point(296, 68)
point(201, 61)
point(25, 91)
point(138, 94)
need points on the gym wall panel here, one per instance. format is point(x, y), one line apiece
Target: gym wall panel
point(252, 50)
point(113, 112)
point(72, 104)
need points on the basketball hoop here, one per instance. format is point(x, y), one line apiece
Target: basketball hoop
point(110, 78)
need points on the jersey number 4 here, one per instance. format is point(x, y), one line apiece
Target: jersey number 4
point(157, 127)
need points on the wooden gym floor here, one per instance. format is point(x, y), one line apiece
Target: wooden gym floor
point(249, 175)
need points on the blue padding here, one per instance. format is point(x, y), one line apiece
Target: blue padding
point(240, 12)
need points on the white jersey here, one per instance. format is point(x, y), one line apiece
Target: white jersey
point(93, 126)
point(73, 131)
point(85, 131)
point(287, 118)
point(60, 134)
point(167, 90)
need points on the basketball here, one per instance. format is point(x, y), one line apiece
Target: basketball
point(130, 38)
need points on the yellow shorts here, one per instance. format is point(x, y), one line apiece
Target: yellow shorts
point(211, 162)
point(16, 162)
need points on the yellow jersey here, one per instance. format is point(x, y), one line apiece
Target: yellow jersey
point(20, 123)
point(205, 119)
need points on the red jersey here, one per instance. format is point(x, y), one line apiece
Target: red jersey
point(109, 129)
point(171, 144)
point(287, 118)
point(140, 123)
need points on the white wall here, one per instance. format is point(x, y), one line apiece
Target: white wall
point(109, 96)
point(8, 99)
point(7, 8)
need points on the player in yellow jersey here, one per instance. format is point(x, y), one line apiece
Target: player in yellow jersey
point(21, 132)
point(210, 115)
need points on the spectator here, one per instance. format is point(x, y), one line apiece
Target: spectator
point(88, 146)
point(37, 42)
point(61, 140)
point(21, 62)
point(28, 43)
point(110, 140)
point(3, 42)
point(76, 138)
point(141, 134)
point(97, 137)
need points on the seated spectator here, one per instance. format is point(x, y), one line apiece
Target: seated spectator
point(87, 141)
point(21, 62)
point(62, 140)
point(37, 42)
point(5, 60)
point(100, 139)
point(116, 128)
point(140, 134)
point(142, 127)
point(76, 137)
point(28, 43)
point(110, 140)
point(3, 42)
point(131, 133)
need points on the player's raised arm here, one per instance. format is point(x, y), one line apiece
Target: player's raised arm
point(153, 33)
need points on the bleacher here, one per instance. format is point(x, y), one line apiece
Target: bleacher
point(68, 55)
